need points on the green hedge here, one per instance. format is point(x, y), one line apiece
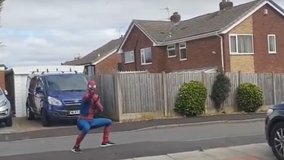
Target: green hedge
point(191, 99)
point(249, 97)
point(220, 90)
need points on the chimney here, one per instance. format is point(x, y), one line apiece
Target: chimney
point(225, 4)
point(175, 17)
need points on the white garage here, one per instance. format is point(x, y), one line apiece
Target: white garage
point(16, 83)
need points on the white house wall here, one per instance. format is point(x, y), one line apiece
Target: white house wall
point(20, 95)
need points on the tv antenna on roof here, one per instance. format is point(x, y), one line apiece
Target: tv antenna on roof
point(168, 11)
point(119, 30)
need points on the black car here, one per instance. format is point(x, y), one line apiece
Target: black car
point(274, 130)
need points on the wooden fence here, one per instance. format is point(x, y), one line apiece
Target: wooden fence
point(148, 95)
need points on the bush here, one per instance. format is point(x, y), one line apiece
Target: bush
point(191, 99)
point(249, 97)
point(220, 90)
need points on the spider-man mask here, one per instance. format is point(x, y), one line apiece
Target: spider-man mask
point(92, 85)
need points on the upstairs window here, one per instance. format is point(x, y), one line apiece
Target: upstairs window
point(182, 51)
point(146, 56)
point(271, 39)
point(171, 50)
point(129, 57)
point(241, 44)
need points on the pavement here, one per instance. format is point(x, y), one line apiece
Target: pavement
point(259, 151)
point(24, 129)
point(143, 143)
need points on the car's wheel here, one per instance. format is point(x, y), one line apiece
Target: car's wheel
point(9, 122)
point(277, 140)
point(29, 113)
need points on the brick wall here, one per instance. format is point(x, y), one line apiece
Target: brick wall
point(272, 23)
point(244, 63)
point(199, 54)
point(108, 65)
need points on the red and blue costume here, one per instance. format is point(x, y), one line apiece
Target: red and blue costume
point(90, 105)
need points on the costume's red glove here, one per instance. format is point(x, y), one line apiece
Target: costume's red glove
point(87, 96)
point(97, 103)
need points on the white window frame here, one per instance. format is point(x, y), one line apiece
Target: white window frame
point(143, 52)
point(268, 43)
point(180, 48)
point(129, 52)
point(171, 47)
point(237, 53)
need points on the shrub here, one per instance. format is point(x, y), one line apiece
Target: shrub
point(191, 99)
point(220, 90)
point(249, 97)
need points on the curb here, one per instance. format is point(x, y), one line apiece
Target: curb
point(200, 123)
point(211, 153)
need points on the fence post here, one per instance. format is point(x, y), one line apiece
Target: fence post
point(273, 88)
point(118, 96)
point(239, 77)
point(164, 81)
point(203, 77)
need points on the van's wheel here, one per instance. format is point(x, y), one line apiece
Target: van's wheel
point(29, 113)
point(44, 119)
point(9, 122)
point(277, 140)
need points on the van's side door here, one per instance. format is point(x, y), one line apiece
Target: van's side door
point(39, 94)
point(31, 94)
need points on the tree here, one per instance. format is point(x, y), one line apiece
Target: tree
point(220, 90)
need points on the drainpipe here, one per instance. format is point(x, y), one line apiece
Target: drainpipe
point(222, 51)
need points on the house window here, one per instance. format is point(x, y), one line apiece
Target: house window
point(271, 38)
point(182, 51)
point(129, 57)
point(171, 50)
point(241, 44)
point(146, 56)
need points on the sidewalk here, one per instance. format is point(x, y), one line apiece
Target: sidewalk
point(129, 126)
point(259, 151)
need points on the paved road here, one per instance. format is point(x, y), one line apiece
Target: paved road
point(137, 143)
point(118, 127)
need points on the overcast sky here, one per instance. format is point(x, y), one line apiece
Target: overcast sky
point(53, 31)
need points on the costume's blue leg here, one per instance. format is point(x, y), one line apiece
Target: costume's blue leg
point(84, 127)
point(102, 122)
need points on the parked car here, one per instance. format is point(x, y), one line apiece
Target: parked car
point(5, 109)
point(274, 130)
point(55, 96)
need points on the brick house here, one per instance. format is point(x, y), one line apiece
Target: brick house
point(2, 76)
point(247, 37)
point(102, 60)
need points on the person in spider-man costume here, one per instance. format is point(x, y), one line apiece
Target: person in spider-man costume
point(90, 105)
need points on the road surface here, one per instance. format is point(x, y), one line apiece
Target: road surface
point(56, 131)
point(136, 143)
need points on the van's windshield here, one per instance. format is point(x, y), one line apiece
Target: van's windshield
point(67, 82)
